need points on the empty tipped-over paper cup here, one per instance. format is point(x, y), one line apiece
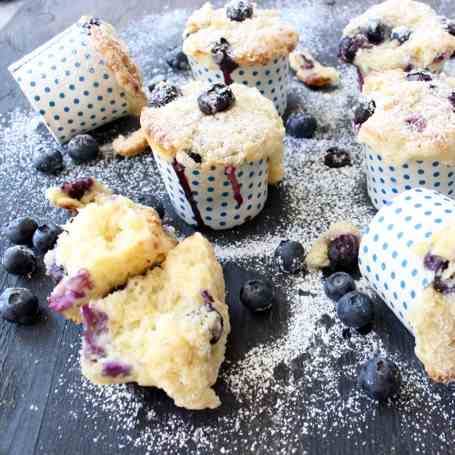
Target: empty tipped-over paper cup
point(408, 257)
point(81, 79)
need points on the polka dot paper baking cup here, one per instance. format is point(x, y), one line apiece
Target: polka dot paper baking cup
point(385, 181)
point(221, 197)
point(69, 83)
point(271, 80)
point(387, 252)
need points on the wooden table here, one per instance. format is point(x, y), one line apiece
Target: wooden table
point(35, 420)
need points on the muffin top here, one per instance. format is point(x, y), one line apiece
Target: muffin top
point(398, 34)
point(117, 58)
point(413, 116)
point(248, 129)
point(253, 40)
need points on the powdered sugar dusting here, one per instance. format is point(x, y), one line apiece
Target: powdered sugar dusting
point(295, 388)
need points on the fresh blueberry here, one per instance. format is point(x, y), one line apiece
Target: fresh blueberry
point(217, 98)
point(380, 378)
point(83, 148)
point(48, 161)
point(376, 32)
point(151, 201)
point(163, 93)
point(301, 125)
point(336, 158)
point(338, 284)
point(239, 10)
point(78, 188)
point(177, 60)
point(355, 309)
point(363, 111)
point(45, 237)
point(424, 76)
point(401, 34)
point(290, 256)
point(349, 46)
point(257, 295)
point(222, 56)
point(20, 231)
point(155, 81)
point(343, 253)
point(19, 305)
point(19, 260)
point(195, 157)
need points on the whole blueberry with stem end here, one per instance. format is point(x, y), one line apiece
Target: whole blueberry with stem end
point(379, 378)
point(19, 260)
point(83, 148)
point(338, 284)
point(257, 295)
point(19, 305)
point(301, 125)
point(290, 256)
point(48, 161)
point(20, 231)
point(355, 309)
point(45, 237)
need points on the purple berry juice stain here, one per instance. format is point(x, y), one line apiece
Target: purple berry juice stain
point(230, 173)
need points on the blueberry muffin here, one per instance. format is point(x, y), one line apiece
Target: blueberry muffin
point(217, 148)
point(241, 43)
point(166, 329)
point(409, 133)
point(106, 243)
point(398, 34)
point(433, 317)
point(94, 79)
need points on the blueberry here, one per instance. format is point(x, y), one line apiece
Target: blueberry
point(45, 237)
point(257, 295)
point(239, 10)
point(435, 263)
point(301, 125)
point(424, 76)
point(363, 111)
point(19, 305)
point(77, 188)
point(349, 46)
point(19, 260)
point(379, 378)
point(177, 60)
point(336, 158)
point(217, 98)
point(290, 256)
point(48, 161)
point(163, 93)
point(195, 157)
point(343, 253)
point(376, 32)
point(355, 309)
point(401, 34)
point(222, 55)
point(21, 231)
point(155, 81)
point(151, 201)
point(83, 148)
point(449, 25)
point(338, 284)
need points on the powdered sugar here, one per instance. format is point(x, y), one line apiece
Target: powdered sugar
point(289, 382)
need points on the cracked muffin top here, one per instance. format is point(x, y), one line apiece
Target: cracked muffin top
point(413, 118)
point(242, 126)
point(398, 34)
point(255, 36)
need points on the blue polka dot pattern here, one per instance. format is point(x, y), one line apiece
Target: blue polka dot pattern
point(70, 85)
point(271, 79)
point(214, 195)
point(385, 182)
point(409, 220)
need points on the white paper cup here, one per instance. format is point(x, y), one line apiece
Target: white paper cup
point(68, 82)
point(271, 79)
point(221, 197)
point(387, 257)
point(386, 181)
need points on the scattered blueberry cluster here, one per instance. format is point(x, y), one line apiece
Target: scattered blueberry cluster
point(81, 149)
point(379, 377)
point(19, 304)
